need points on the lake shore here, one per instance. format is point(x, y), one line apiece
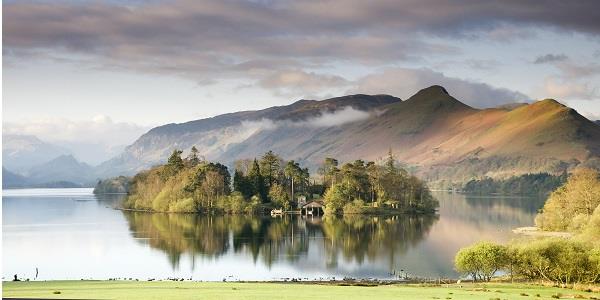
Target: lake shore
point(277, 290)
point(536, 232)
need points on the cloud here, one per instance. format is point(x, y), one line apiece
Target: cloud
point(92, 141)
point(560, 88)
point(295, 82)
point(101, 129)
point(403, 83)
point(204, 40)
point(329, 119)
point(550, 58)
point(572, 70)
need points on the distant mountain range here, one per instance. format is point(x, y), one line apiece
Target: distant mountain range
point(438, 137)
point(31, 162)
point(22, 152)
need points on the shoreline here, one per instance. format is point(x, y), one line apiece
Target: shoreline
point(535, 232)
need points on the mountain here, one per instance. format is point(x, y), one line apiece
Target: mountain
point(21, 152)
point(442, 139)
point(63, 168)
point(220, 135)
point(12, 180)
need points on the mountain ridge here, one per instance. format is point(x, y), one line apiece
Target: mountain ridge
point(444, 139)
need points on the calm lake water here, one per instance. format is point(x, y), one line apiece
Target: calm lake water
point(72, 234)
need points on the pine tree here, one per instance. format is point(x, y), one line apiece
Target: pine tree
point(269, 167)
point(193, 158)
point(257, 181)
point(241, 184)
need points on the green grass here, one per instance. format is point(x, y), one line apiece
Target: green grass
point(224, 290)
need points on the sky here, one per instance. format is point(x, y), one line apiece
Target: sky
point(107, 71)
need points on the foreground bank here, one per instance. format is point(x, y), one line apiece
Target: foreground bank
point(226, 290)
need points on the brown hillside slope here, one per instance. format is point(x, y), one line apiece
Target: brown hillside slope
point(444, 140)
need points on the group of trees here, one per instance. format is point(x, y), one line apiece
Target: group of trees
point(354, 184)
point(193, 184)
point(574, 206)
point(181, 185)
point(115, 185)
point(527, 184)
point(557, 260)
point(271, 180)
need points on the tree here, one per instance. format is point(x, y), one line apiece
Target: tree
point(297, 177)
point(390, 163)
point(193, 158)
point(257, 181)
point(241, 184)
point(482, 260)
point(329, 170)
point(174, 164)
point(335, 198)
point(279, 196)
point(571, 205)
point(269, 167)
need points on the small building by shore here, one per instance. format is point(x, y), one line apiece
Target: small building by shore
point(313, 208)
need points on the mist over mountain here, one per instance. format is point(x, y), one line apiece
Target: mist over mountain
point(21, 152)
point(30, 162)
point(441, 138)
point(63, 168)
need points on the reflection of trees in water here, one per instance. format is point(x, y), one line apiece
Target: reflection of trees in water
point(491, 210)
point(111, 200)
point(354, 237)
point(360, 237)
point(177, 234)
point(528, 204)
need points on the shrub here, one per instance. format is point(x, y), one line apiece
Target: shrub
point(482, 260)
point(355, 207)
point(558, 260)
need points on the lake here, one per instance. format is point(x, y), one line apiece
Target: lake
point(73, 234)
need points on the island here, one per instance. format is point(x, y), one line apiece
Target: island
point(270, 184)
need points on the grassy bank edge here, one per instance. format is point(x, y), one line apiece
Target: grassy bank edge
point(99, 289)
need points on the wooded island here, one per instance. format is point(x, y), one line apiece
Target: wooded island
point(192, 184)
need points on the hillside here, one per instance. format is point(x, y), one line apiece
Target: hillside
point(443, 139)
point(217, 136)
point(12, 180)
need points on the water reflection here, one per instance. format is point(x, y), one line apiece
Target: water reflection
point(72, 234)
point(287, 239)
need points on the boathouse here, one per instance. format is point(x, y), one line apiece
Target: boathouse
point(313, 208)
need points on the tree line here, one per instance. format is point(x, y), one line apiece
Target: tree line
point(361, 186)
point(526, 184)
point(192, 184)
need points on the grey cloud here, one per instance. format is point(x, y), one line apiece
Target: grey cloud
point(301, 83)
point(404, 82)
point(550, 58)
point(213, 38)
point(573, 70)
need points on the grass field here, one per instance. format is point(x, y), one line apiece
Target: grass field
point(224, 290)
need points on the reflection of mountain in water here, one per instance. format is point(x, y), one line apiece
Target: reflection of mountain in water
point(355, 238)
